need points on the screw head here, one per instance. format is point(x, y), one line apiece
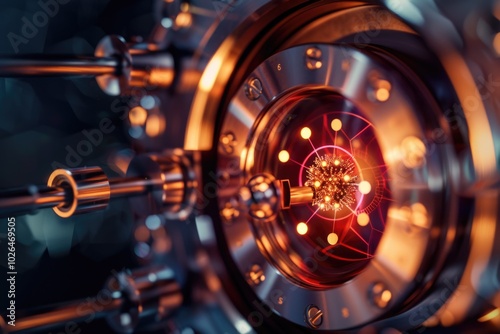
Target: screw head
point(227, 143)
point(230, 211)
point(314, 316)
point(253, 89)
point(380, 295)
point(313, 58)
point(255, 275)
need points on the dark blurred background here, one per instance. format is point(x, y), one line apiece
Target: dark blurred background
point(41, 120)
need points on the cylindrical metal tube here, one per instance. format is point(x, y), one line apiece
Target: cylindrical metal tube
point(89, 189)
point(144, 295)
point(294, 195)
point(150, 294)
point(57, 66)
point(30, 198)
point(152, 70)
point(301, 195)
point(167, 184)
point(60, 314)
point(132, 186)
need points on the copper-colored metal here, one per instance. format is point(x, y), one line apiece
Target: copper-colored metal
point(89, 189)
point(115, 65)
point(58, 66)
point(30, 198)
point(172, 193)
point(294, 195)
point(141, 293)
point(152, 70)
point(71, 312)
point(164, 182)
point(131, 186)
point(301, 195)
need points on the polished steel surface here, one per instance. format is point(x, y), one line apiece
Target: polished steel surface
point(57, 66)
point(88, 187)
point(272, 114)
point(117, 66)
point(62, 314)
point(165, 182)
point(139, 295)
point(30, 198)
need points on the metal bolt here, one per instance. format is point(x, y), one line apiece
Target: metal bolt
point(227, 143)
point(253, 89)
point(313, 58)
point(255, 275)
point(230, 211)
point(380, 295)
point(314, 316)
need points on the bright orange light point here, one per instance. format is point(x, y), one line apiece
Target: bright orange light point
point(336, 124)
point(284, 156)
point(302, 228)
point(363, 219)
point(332, 238)
point(382, 94)
point(305, 133)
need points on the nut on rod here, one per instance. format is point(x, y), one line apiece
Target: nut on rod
point(164, 183)
point(141, 295)
point(116, 66)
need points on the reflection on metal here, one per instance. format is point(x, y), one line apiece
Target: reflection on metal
point(163, 182)
point(115, 67)
point(314, 316)
point(380, 295)
point(490, 315)
point(126, 299)
point(298, 241)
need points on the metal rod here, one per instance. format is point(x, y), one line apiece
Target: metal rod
point(60, 314)
point(57, 66)
point(294, 195)
point(23, 200)
point(30, 198)
point(301, 195)
point(131, 186)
